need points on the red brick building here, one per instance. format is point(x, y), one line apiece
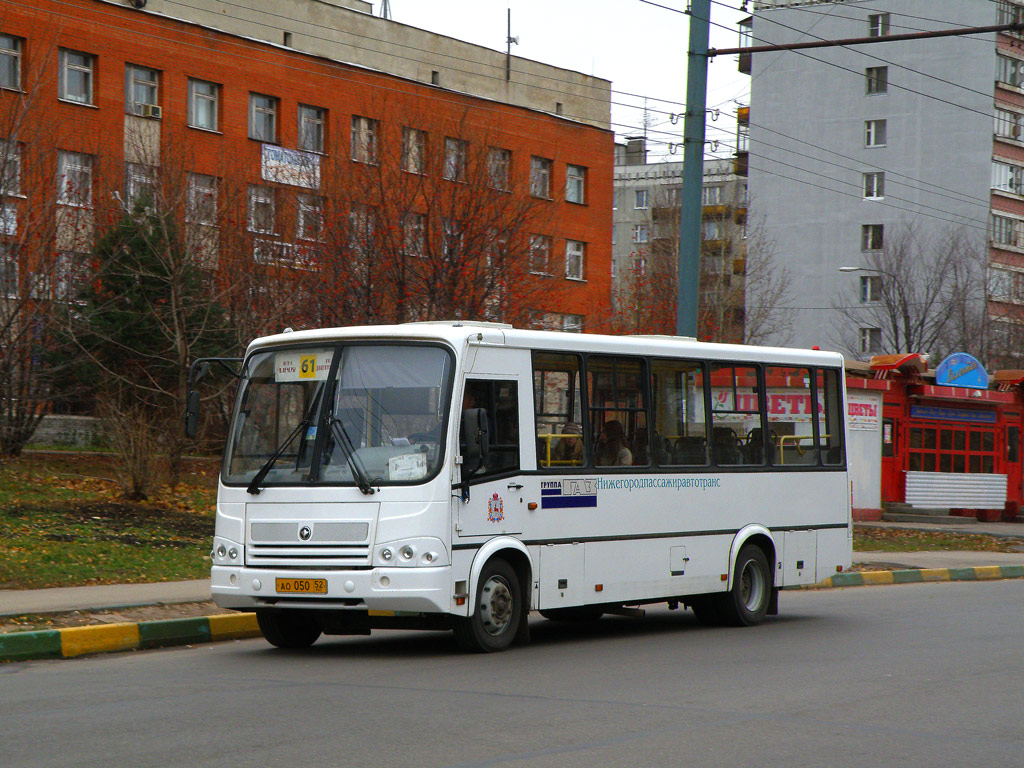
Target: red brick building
point(283, 164)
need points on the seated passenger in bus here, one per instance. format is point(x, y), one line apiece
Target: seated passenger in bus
point(611, 446)
point(569, 450)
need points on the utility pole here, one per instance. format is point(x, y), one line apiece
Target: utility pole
point(508, 47)
point(690, 209)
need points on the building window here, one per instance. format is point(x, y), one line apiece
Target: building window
point(362, 226)
point(1007, 231)
point(1009, 12)
point(572, 323)
point(874, 133)
point(10, 62)
point(70, 275)
point(878, 24)
point(203, 99)
point(499, 165)
point(870, 340)
point(1007, 177)
point(575, 184)
point(414, 234)
point(874, 185)
point(312, 123)
point(711, 194)
point(8, 272)
point(139, 184)
point(574, 251)
point(261, 209)
point(141, 91)
point(451, 246)
point(455, 152)
point(540, 177)
point(74, 179)
point(202, 199)
point(262, 118)
point(711, 229)
point(871, 237)
point(76, 76)
point(877, 79)
point(10, 171)
point(870, 288)
point(641, 233)
point(1008, 124)
point(743, 137)
point(309, 220)
point(540, 254)
point(1005, 285)
point(364, 139)
point(1009, 70)
point(640, 199)
point(414, 150)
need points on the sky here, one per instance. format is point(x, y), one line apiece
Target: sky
point(639, 46)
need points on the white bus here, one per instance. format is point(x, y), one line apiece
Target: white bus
point(457, 475)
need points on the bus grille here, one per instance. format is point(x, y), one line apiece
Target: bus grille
point(326, 545)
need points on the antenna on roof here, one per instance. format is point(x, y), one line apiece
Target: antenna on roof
point(385, 10)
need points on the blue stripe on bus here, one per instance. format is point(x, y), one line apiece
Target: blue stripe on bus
point(563, 502)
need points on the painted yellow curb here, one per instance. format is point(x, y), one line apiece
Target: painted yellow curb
point(934, 574)
point(987, 571)
point(877, 577)
point(233, 625)
point(77, 641)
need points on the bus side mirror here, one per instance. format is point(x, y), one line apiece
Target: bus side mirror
point(192, 414)
point(474, 439)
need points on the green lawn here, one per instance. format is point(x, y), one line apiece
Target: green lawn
point(62, 524)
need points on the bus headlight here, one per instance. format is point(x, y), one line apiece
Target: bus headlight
point(225, 552)
point(407, 553)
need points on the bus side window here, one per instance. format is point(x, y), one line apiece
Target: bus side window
point(558, 411)
point(501, 401)
point(737, 403)
point(680, 428)
point(830, 418)
point(618, 411)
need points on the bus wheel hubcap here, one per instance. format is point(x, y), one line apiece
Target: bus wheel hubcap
point(752, 587)
point(495, 605)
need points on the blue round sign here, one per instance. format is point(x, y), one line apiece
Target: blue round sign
point(962, 370)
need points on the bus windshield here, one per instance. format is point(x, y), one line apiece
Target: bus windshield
point(382, 408)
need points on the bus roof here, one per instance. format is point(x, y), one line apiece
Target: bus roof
point(458, 333)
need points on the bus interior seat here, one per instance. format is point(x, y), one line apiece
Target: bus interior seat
point(725, 446)
point(690, 450)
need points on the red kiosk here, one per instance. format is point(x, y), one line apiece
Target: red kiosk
point(950, 438)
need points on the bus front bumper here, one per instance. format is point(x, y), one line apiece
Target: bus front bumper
point(422, 590)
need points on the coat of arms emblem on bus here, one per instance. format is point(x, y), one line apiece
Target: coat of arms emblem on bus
point(495, 509)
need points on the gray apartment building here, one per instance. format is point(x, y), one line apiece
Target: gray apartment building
point(890, 176)
point(645, 244)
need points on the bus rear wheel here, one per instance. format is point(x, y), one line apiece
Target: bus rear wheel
point(496, 613)
point(746, 604)
point(288, 629)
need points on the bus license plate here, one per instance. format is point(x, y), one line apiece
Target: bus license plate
point(302, 586)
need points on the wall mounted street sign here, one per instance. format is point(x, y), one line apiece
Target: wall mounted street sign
point(961, 370)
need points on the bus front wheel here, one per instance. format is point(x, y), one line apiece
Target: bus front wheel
point(496, 613)
point(747, 602)
point(288, 629)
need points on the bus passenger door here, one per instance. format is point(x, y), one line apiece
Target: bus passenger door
point(495, 504)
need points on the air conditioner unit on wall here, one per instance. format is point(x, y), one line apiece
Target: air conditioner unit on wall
point(149, 110)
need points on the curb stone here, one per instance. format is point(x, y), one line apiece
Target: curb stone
point(917, 575)
point(105, 638)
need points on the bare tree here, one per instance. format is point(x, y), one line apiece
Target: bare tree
point(923, 291)
point(429, 221)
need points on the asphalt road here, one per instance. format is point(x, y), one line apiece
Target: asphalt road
point(910, 675)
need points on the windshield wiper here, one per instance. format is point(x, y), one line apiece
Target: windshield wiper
point(258, 478)
point(354, 462)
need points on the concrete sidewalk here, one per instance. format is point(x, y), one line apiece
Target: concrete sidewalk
point(18, 602)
